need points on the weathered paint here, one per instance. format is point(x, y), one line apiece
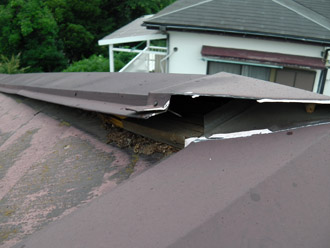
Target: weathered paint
point(49, 168)
point(268, 190)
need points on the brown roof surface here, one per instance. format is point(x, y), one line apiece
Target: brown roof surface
point(53, 160)
point(143, 94)
point(262, 191)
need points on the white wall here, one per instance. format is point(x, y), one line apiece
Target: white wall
point(188, 58)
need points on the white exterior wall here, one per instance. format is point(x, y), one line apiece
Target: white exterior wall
point(188, 58)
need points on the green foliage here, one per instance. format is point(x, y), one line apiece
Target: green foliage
point(77, 41)
point(29, 26)
point(122, 58)
point(78, 23)
point(93, 64)
point(99, 63)
point(52, 33)
point(148, 6)
point(11, 66)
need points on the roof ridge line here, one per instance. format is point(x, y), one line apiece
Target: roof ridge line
point(177, 10)
point(305, 12)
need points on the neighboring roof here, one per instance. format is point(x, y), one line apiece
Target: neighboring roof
point(266, 57)
point(132, 32)
point(262, 191)
point(297, 20)
point(143, 95)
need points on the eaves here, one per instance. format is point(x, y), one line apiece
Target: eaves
point(245, 33)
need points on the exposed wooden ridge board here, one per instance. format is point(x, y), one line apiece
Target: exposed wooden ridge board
point(224, 113)
point(166, 128)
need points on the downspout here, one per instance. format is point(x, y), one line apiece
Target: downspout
point(324, 73)
point(323, 79)
point(166, 57)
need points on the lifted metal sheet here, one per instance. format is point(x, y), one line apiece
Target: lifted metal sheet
point(142, 95)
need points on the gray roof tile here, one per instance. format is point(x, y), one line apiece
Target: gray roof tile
point(264, 17)
point(321, 7)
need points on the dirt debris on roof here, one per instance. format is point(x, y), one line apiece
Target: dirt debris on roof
point(138, 143)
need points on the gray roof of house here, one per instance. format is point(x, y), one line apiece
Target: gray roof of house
point(299, 19)
point(321, 7)
point(132, 32)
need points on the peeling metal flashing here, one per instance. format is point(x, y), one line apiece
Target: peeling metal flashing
point(221, 136)
point(142, 95)
point(294, 101)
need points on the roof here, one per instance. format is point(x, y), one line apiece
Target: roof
point(266, 57)
point(142, 95)
point(267, 190)
point(298, 20)
point(262, 191)
point(321, 7)
point(53, 160)
point(132, 32)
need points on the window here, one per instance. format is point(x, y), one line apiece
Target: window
point(302, 79)
point(296, 78)
point(258, 72)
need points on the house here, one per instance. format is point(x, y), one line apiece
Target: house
point(282, 41)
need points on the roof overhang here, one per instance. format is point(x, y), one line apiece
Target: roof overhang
point(121, 40)
point(132, 32)
point(232, 32)
point(269, 59)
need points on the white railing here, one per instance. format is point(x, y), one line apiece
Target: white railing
point(148, 60)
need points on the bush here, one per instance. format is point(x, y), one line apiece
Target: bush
point(92, 64)
point(98, 63)
point(12, 65)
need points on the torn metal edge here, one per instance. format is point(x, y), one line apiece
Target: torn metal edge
point(165, 107)
point(294, 101)
point(245, 134)
point(233, 135)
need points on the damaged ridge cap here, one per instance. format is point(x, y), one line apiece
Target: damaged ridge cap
point(220, 136)
point(244, 134)
point(294, 101)
point(262, 100)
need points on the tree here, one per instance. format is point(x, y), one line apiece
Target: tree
point(29, 27)
point(50, 34)
point(83, 23)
